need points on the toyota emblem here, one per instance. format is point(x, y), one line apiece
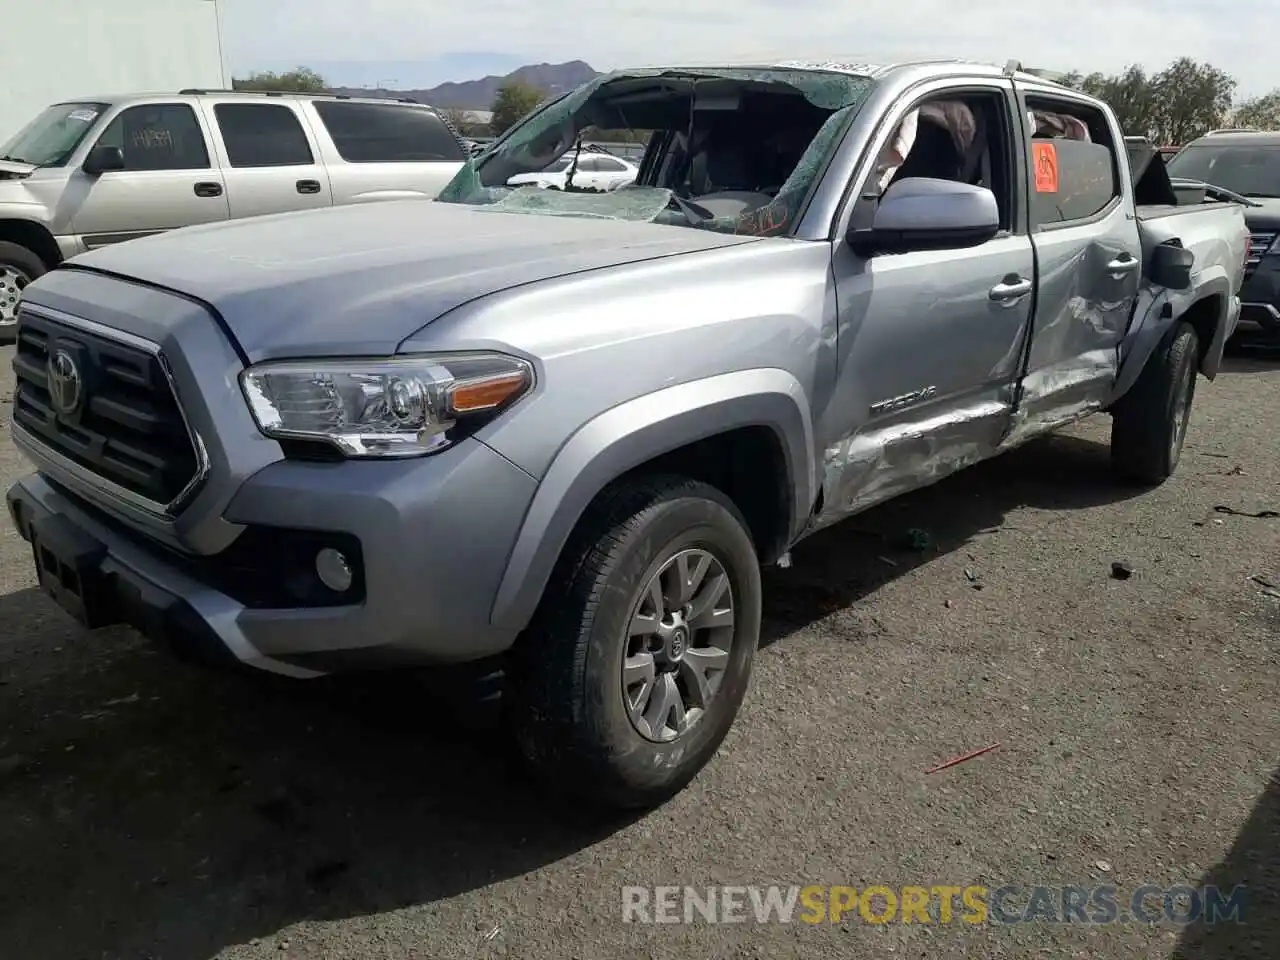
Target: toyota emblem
point(66, 387)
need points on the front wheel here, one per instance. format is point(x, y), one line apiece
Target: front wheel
point(18, 267)
point(1149, 423)
point(640, 655)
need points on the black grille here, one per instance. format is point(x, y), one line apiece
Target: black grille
point(125, 426)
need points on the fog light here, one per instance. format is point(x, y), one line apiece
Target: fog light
point(333, 570)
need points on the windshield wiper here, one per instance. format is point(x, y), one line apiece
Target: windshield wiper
point(695, 214)
point(13, 159)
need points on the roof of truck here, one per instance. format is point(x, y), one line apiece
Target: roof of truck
point(863, 68)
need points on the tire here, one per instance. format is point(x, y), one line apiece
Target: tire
point(567, 705)
point(14, 259)
point(1149, 423)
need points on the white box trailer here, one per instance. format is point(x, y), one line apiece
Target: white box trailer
point(54, 50)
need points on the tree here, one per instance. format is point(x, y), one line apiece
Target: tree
point(514, 101)
point(1191, 99)
point(299, 80)
point(1260, 113)
point(1178, 104)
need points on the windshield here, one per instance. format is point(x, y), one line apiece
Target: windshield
point(732, 150)
point(1251, 170)
point(51, 138)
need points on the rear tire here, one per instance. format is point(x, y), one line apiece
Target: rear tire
point(578, 712)
point(18, 267)
point(1149, 423)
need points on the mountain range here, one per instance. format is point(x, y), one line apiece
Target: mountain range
point(479, 94)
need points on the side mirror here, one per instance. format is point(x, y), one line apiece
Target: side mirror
point(103, 160)
point(919, 213)
point(1171, 266)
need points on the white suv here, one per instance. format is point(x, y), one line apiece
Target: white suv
point(100, 170)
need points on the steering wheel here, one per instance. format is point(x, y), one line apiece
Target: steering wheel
point(548, 146)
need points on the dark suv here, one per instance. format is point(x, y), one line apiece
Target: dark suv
point(1248, 163)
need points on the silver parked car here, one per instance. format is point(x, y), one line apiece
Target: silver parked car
point(569, 428)
point(98, 170)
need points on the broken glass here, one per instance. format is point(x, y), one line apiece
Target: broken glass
point(545, 136)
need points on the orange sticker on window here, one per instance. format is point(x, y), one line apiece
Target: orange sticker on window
point(1045, 158)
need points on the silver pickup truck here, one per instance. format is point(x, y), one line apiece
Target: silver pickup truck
point(105, 169)
point(568, 429)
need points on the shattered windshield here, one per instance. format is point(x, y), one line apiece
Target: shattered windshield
point(732, 150)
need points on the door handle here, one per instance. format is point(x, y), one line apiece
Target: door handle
point(308, 186)
point(208, 189)
point(1125, 263)
point(1010, 290)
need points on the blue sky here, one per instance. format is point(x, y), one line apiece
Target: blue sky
point(419, 43)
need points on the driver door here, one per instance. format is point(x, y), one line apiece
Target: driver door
point(169, 180)
point(929, 341)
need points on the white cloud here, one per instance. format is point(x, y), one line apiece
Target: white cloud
point(1082, 34)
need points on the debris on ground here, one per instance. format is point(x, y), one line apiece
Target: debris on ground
point(963, 758)
point(1264, 581)
point(1103, 865)
point(1260, 515)
point(1121, 571)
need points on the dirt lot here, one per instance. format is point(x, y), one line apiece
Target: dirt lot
point(149, 808)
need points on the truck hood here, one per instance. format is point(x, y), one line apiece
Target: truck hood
point(360, 279)
point(14, 170)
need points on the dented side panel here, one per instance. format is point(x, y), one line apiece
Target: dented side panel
point(927, 366)
point(1083, 308)
point(884, 461)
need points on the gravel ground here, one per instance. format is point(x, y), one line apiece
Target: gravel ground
point(150, 808)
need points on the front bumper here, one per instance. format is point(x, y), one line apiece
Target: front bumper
point(434, 533)
point(1260, 296)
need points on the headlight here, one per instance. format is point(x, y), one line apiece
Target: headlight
point(401, 407)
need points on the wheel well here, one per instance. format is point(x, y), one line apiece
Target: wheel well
point(34, 237)
point(748, 466)
point(1204, 315)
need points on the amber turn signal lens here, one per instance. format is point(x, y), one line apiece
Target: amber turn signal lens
point(476, 396)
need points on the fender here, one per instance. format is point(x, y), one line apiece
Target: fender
point(634, 432)
point(21, 222)
point(1165, 309)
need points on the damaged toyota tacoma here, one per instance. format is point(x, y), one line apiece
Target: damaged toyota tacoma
point(568, 428)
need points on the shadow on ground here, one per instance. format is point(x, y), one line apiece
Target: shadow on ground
point(1254, 861)
point(150, 807)
point(841, 565)
point(1255, 354)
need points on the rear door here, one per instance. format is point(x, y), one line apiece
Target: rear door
point(270, 158)
point(1088, 251)
point(385, 151)
point(170, 178)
